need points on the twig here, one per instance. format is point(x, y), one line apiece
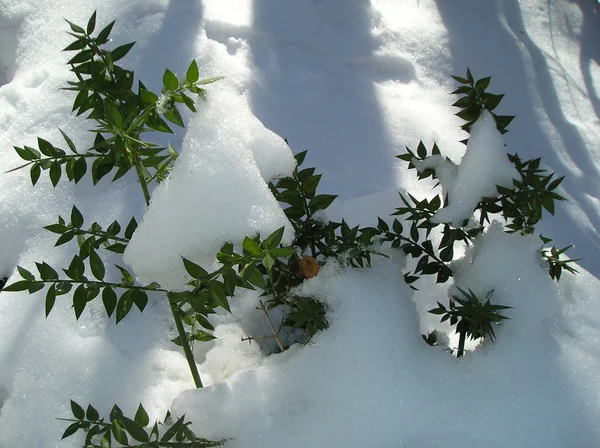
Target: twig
point(275, 335)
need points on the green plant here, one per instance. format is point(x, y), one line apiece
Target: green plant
point(124, 430)
point(472, 317)
point(520, 207)
point(105, 92)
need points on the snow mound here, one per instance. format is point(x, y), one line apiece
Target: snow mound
point(215, 193)
point(483, 166)
point(369, 379)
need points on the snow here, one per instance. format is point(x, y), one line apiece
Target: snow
point(353, 82)
point(216, 193)
point(483, 166)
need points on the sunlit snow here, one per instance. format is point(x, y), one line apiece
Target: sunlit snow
point(353, 82)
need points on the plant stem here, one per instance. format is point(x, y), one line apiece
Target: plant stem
point(461, 344)
point(187, 350)
point(275, 335)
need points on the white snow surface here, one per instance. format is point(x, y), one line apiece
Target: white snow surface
point(353, 82)
point(483, 166)
point(217, 192)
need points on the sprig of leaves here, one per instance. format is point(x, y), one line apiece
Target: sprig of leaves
point(120, 430)
point(471, 316)
point(105, 92)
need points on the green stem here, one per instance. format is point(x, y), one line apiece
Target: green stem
point(187, 350)
point(461, 344)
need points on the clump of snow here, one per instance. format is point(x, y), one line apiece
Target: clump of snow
point(215, 193)
point(483, 166)
point(370, 380)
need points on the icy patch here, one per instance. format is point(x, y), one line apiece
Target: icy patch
point(216, 192)
point(483, 166)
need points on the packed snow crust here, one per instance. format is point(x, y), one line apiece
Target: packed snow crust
point(351, 81)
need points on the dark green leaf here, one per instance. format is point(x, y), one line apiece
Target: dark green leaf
point(126, 277)
point(91, 414)
point(274, 239)
point(96, 265)
point(25, 274)
point(35, 173)
point(103, 35)
point(76, 218)
point(109, 299)
point(21, 285)
point(321, 202)
point(483, 83)
point(130, 228)
point(50, 298)
point(135, 430)
point(55, 173)
point(140, 298)
point(77, 410)
point(47, 273)
point(121, 51)
point(193, 269)
point(79, 300)
point(141, 416)
point(124, 305)
point(71, 429)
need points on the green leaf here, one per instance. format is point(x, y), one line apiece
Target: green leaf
point(76, 218)
point(96, 265)
point(129, 231)
point(75, 28)
point(112, 114)
point(79, 169)
point(192, 72)
point(79, 300)
point(483, 83)
point(274, 239)
point(102, 37)
point(77, 410)
point(71, 429)
point(21, 285)
point(174, 117)
point(268, 261)
point(91, 26)
point(25, 274)
point(210, 80)
point(47, 273)
point(140, 298)
point(202, 336)
point(141, 416)
point(91, 413)
point(251, 246)
point(135, 430)
point(118, 433)
point(121, 51)
point(55, 173)
point(50, 298)
point(170, 80)
point(126, 277)
point(76, 45)
point(193, 269)
point(109, 299)
point(321, 202)
point(218, 294)
point(35, 173)
point(124, 305)
point(82, 56)
point(76, 268)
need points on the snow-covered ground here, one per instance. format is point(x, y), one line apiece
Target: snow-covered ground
point(353, 82)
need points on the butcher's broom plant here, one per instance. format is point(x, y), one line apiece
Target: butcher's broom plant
point(520, 207)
